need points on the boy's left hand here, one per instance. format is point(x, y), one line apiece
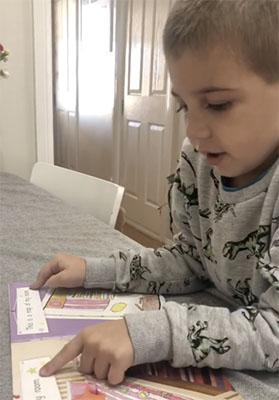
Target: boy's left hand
point(106, 350)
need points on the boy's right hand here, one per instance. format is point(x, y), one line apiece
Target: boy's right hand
point(63, 270)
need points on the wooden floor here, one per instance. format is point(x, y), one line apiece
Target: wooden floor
point(140, 237)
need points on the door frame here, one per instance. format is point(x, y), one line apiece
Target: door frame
point(43, 80)
point(121, 12)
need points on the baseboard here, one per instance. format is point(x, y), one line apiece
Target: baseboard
point(145, 231)
point(142, 229)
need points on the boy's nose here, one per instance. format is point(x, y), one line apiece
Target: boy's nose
point(197, 130)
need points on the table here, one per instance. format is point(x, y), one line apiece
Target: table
point(34, 225)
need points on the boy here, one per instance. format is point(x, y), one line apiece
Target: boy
point(223, 62)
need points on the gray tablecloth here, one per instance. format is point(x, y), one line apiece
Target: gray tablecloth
point(35, 225)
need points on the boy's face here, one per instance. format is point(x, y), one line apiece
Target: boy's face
point(229, 111)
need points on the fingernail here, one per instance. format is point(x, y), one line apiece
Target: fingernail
point(43, 371)
point(33, 285)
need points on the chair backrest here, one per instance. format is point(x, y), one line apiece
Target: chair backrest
point(95, 196)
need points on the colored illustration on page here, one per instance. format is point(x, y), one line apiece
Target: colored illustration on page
point(89, 303)
point(96, 390)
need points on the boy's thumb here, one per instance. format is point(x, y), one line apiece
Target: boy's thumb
point(35, 285)
point(56, 281)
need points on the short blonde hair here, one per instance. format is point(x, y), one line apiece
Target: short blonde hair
point(249, 27)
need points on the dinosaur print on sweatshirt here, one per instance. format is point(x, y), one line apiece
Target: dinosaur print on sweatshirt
point(271, 273)
point(251, 313)
point(268, 268)
point(186, 248)
point(243, 292)
point(256, 243)
point(221, 208)
point(137, 269)
point(155, 287)
point(202, 344)
point(208, 248)
point(187, 160)
point(190, 194)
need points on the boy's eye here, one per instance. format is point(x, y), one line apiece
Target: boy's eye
point(182, 107)
point(215, 107)
point(220, 106)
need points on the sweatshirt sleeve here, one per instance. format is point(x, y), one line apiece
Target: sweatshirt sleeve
point(171, 269)
point(198, 335)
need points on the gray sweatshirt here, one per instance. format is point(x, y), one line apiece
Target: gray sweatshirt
point(228, 239)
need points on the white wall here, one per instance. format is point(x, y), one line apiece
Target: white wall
point(17, 98)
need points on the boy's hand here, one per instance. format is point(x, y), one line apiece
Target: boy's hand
point(106, 350)
point(63, 270)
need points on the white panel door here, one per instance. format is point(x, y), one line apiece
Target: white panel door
point(145, 141)
point(84, 64)
point(65, 88)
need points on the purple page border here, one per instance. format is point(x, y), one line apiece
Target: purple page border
point(57, 327)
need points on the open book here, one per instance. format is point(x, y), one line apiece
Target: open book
point(37, 335)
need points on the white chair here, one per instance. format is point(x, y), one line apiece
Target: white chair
point(92, 195)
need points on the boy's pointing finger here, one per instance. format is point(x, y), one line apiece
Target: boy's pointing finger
point(66, 354)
